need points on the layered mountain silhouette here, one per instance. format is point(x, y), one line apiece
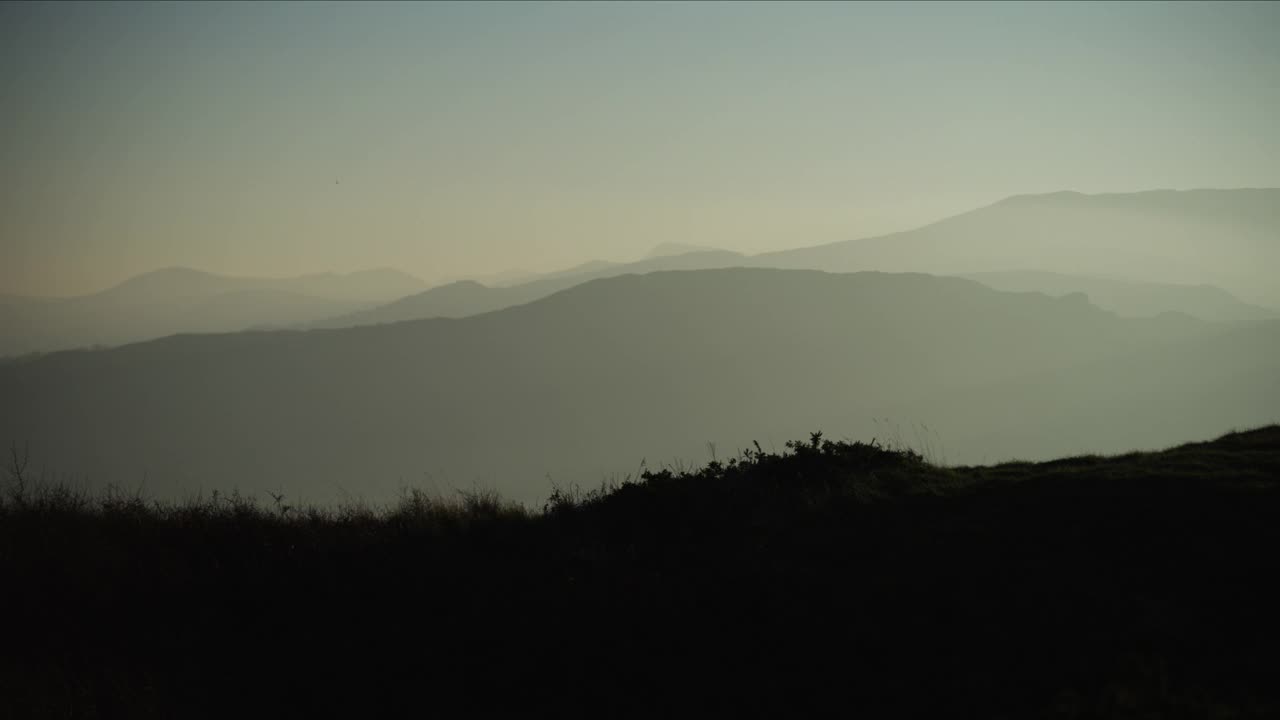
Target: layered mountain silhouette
point(569, 388)
point(1137, 254)
point(1207, 253)
point(466, 297)
point(177, 300)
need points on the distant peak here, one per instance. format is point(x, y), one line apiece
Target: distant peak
point(465, 284)
point(383, 272)
point(668, 249)
point(1042, 197)
point(172, 271)
point(1062, 196)
point(175, 274)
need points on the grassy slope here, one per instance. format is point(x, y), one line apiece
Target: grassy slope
point(1133, 586)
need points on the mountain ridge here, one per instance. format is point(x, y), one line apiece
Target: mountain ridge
point(1158, 236)
point(516, 293)
point(573, 380)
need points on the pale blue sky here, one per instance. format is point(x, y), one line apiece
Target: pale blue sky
point(270, 139)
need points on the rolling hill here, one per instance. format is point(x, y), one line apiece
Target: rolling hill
point(653, 366)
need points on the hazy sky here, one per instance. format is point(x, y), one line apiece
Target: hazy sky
point(447, 139)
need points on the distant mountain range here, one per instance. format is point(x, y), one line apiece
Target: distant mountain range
point(574, 385)
point(178, 300)
point(1207, 253)
point(1136, 254)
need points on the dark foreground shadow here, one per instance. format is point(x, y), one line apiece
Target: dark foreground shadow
point(836, 576)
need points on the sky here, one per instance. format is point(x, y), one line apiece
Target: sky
point(455, 140)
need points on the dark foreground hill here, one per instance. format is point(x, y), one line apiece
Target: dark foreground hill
point(835, 576)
